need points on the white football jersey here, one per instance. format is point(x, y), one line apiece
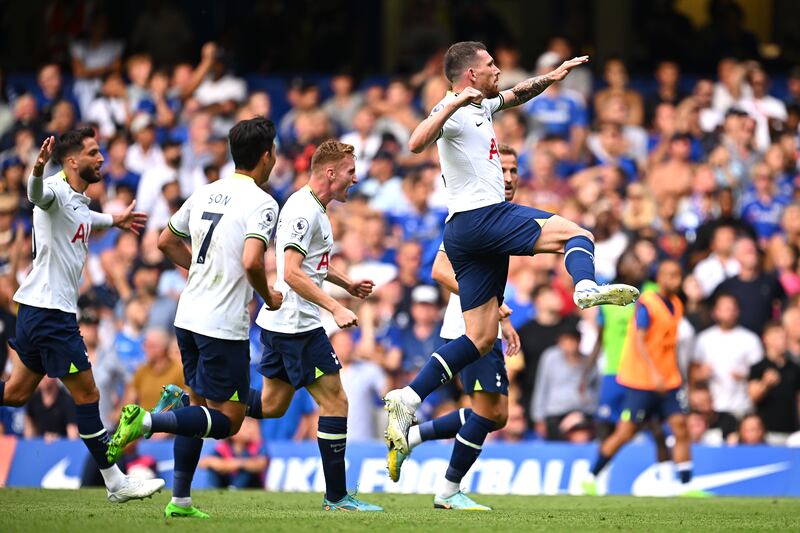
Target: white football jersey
point(60, 242)
point(453, 325)
point(219, 217)
point(303, 226)
point(469, 156)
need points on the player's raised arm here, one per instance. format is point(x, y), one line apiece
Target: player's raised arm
point(305, 287)
point(37, 194)
point(527, 89)
point(431, 128)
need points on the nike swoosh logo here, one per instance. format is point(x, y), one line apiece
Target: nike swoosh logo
point(325, 237)
point(651, 482)
point(57, 478)
point(75, 207)
point(478, 124)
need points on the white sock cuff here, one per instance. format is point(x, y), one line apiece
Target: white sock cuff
point(686, 465)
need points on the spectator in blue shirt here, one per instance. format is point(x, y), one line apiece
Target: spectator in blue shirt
point(410, 347)
point(762, 205)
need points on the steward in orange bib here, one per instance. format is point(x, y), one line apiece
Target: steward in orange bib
point(650, 375)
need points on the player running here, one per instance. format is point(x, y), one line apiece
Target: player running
point(482, 229)
point(297, 352)
point(47, 338)
point(485, 381)
point(649, 373)
point(229, 223)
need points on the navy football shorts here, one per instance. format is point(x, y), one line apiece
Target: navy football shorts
point(487, 374)
point(48, 341)
point(640, 405)
point(612, 396)
point(216, 369)
point(479, 242)
point(298, 358)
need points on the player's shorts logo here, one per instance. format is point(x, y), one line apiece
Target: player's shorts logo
point(299, 227)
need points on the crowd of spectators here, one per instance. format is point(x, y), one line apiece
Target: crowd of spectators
point(707, 177)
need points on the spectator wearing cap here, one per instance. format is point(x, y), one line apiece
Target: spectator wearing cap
point(365, 139)
point(723, 356)
point(115, 171)
point(110, 374)
point(760, 296)
point(557, 111)
point(145, 152)
point(157, 370)
point(383, 188)
point(774, 384)
point(557, 391)
point(409, 347)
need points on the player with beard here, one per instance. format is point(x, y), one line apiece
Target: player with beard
point(47, 338)
point(483, 230)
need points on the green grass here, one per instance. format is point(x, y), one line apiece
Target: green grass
point(86, 511)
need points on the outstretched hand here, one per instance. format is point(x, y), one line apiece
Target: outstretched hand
point(44, 156)
point(130, 219)
point(561, 72)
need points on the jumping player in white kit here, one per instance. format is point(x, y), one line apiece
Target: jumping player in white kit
point(485, 381)
point(483, 230)
point(47, 338)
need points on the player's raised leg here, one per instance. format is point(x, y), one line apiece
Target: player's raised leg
point(559, 235)
point(329, 394)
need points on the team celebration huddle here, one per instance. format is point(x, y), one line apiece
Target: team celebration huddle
point(221, 234)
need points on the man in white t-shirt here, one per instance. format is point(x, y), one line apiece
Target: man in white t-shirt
point(485, 381)
point(483, 230)
point(297, 353)
point(229, 223)
point(723, 356)
point(47, 338)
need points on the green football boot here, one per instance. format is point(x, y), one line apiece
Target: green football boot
point(349, 503)
point(590, 488)
point(459, 502)
point(176, 511)
point(130, 429)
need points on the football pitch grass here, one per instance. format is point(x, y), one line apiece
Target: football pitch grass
point(87, 511)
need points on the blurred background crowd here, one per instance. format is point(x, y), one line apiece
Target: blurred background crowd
point(689, 156)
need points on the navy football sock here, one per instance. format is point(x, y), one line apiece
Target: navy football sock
point(685, 471)
point(2, 391)
point(92, 432)
point(579, 258)
point(600, 463)
point(192, 421)
point(254, 404)
point(186, 451)
point(467, 447)
point(444, 427)
point(445, 363)
point(332, 440)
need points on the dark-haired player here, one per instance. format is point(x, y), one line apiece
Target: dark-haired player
point(229, 222)
point(47, 338)
point(483, 230)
